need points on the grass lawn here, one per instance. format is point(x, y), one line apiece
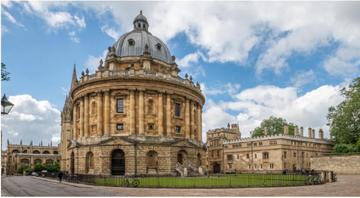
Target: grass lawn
point(226, 181)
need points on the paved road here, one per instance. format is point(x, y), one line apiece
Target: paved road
point(347, 185)
point(33, 186)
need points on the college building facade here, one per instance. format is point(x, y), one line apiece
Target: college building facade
point(282, 152)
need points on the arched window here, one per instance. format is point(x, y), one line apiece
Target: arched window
point(49, 161)
point(89, 161)
point(24, 151)
point(16, 151)
point(36, 152)
point(93, 107)
point(152, 161)
point(38, 161)
point(46, 152)
point(25, 161)
point(150, 106)
point(55, 152)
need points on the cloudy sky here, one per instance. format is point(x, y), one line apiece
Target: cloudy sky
point(253, 60)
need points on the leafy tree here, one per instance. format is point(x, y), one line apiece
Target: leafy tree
point(274, 126)
point(344, 119)
point(38, 167)
point(54, 167)
point(24, 168)
point(4, 73)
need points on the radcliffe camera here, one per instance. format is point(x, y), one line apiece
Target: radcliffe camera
point(180, 98)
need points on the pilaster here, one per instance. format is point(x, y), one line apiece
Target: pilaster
point(141, 112)
point(160, 114)
point(99, 114)
point(86, 116)
point(107, 113)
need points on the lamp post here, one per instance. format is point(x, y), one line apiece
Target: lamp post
point(6, 107)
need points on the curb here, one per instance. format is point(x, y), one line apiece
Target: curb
point(63, 182)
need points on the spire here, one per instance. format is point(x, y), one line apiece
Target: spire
point(74, 80)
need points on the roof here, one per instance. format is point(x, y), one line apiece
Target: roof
point(140, 41)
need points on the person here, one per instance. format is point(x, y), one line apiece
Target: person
point(60, 176)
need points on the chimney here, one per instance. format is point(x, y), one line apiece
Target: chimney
point(313, 134)
point(265, 131)
point(321, 134)
point(302, 131)
point(309, 132)
point(286, 129)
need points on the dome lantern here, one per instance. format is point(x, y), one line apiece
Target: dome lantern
point(140, 22)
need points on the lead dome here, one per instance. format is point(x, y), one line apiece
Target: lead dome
point(140, 41)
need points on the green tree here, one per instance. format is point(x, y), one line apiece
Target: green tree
point(54, 167)
point(274, 126)
point(4, 73)
point(344, 119)
point(38, 167)
point(24, 168)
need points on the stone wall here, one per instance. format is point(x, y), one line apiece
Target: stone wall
point(340, 164)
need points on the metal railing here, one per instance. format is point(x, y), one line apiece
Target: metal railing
point(235, 180)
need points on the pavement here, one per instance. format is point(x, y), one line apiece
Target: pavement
point(347, 185)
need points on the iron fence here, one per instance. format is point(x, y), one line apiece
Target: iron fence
point(236, 180)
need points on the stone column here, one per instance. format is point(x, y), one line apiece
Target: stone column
point(168, 114)
point(107, 113)
point(99, 114)
point(309, 133)
point(141, 112)
point(74, 122)
point(187, 118)
point(86, 116)
point(81, 117)
point(160, 114)
point(132, 112)
point(199, 122)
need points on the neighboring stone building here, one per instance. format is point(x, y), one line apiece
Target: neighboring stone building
point(3, 162)
point(30, 155)
point(215, 140)
point(272, 153)
point(135, 115)
point(275, 153)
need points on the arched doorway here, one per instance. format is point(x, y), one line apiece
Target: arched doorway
point(118, 162)
point(181, 156)
point(152, 161)
point(216, 168)
point(72, 163)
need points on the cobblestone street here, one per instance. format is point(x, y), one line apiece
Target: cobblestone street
point(347, 185)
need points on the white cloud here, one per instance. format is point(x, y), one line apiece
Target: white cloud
point(11, 18)
point(345, 62)
point(190, 59)
point(227, 88)
point(256, 104)
point(31, 119)
point(92, 62)
point(111, 32)
point(303, 78)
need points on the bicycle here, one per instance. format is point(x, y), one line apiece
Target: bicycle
point(131, 182)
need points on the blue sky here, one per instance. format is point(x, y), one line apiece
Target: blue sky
point(253, 60)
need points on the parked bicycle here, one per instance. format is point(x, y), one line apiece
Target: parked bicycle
point(131, 182)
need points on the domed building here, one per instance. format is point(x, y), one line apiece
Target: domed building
point(135, 115)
